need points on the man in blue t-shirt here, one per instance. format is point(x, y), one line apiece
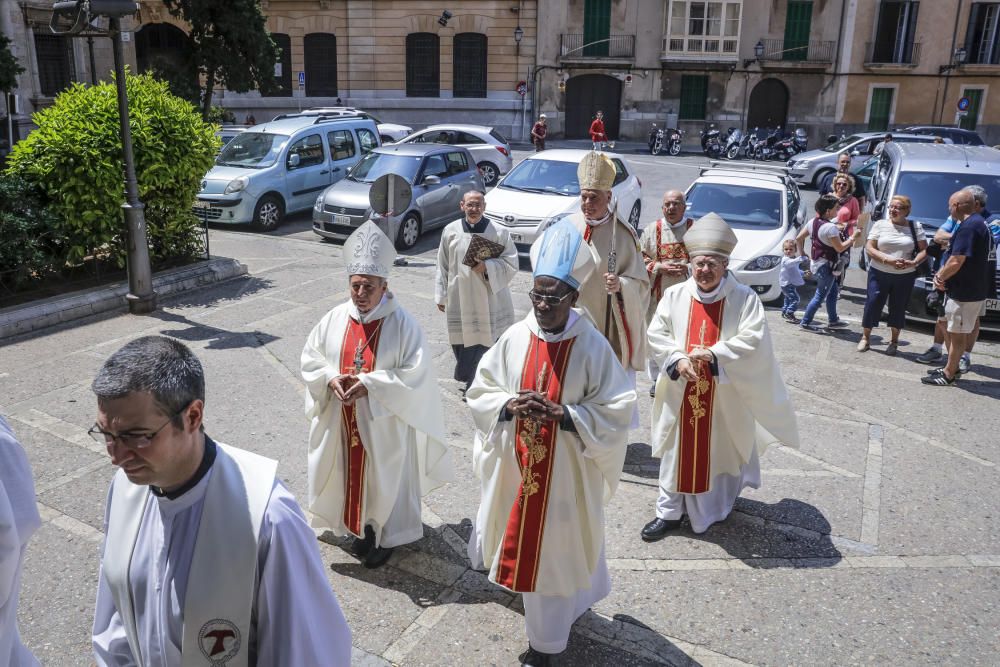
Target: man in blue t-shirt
point(964, 277)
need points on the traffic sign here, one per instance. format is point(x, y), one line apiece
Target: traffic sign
point(963, 104)
point(302, 80)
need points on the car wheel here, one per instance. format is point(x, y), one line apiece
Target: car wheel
point(633, 216)
point(490, 173)
point(408, 232)
point(269, 213)
point(820, 175)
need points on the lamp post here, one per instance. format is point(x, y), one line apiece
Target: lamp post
point(758, 52)
point(957, 60)
point(73, 17)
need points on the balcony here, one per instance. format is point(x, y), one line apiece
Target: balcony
point(811, 53)
point(613, 47)
point(880, 55)
point(700, 49)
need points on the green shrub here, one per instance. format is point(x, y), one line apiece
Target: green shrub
point(75, 157)
point(28, 241)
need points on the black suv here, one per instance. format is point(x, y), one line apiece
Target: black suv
point(955, 134)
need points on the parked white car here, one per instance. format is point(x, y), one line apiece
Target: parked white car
point(544, 188)
point(489, 148)
point(388, 132)
point(763, 207)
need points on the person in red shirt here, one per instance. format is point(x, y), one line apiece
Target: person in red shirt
point(538, 133)
point(597, 133)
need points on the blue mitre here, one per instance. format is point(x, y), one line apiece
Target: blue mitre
point(561, 253)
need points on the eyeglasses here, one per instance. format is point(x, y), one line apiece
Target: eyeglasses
point(130, 440)
point(709, 264)
point(547, 299)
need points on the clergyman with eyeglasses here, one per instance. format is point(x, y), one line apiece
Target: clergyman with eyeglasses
point(376, 428)
point(552, 406)
point(720, 399)
point(206, 552)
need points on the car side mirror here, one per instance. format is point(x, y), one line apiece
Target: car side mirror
point(878, 211)
point(855, 153)
point(293, 160)
point(431, 179)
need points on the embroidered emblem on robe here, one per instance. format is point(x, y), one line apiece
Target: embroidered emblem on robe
point(694, 462)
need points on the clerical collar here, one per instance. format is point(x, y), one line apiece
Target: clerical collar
point(477, 228)
point(677, 225)
point(207, 459)
point(364, 318)
point(712, 296)
point(601, 221)
point(556, 336)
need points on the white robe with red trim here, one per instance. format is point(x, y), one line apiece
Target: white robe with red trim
point(400, 422)
point(585, 466)
point(751, 407)
point(628, 314)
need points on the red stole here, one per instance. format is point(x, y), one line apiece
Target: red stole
point(666, 251)
point(352, 350)
point(694, 464)
point(535, 441)
point(619, 299)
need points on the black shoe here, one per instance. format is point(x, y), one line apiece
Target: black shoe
point(533, 658)
point(929, 357)
point(362, 546)
point(377, 557)
point(940, 371)
point(652, 391)
point(658, 528)
point(941, 380)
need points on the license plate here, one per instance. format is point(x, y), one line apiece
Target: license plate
point(992, 304)
point(342, 219)
point(515, 237)
point(200, 203)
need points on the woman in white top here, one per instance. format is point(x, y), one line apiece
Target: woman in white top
point(896, 247)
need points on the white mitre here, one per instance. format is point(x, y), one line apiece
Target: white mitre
point(710, 235)
point(369, 251)
point(596, 172)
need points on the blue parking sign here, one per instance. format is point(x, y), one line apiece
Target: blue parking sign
point(302, 80)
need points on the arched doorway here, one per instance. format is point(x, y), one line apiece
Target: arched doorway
point(585, 95)
point(768, 104)
point(163, 50)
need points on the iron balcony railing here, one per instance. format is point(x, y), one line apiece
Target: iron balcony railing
point(810, 52)
point(613, 46)
point(892, 53)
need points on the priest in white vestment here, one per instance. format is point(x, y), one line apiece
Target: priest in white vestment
point(475, 299)
point(376, 432)
point(552, 406)
point(18, 521)
point(616, 295)
point(720, 399)
point(207, 558)
point(662, 245)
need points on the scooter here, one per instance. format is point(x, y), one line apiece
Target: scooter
point(656, 137)
point(801, 141)
point(710, 142)
point(784, 149)
point(733, 144)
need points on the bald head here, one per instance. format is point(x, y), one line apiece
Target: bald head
point(674, 206)
point(961, 205)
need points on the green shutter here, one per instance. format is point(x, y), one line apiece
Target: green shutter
point(596, 26)
point(878, 116)
point(975, 96)
point(694, 93)
point(798, 22)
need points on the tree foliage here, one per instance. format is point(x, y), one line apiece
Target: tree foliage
point(28, 232)
point(75, 158)
point(9, 67)
point(230, 45)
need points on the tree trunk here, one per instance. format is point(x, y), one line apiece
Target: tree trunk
point(206, 99)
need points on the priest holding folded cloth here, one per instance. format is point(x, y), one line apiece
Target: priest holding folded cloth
point(720, 400)
point(207, 558)
point(376, 435)
point(476, 262)
point(615, 296)
point(551, 405)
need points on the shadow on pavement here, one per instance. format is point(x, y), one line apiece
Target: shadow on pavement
point(218, 339)
point(229, 291)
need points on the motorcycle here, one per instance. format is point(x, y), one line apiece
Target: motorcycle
point(784, 148)
point(801, 141)
point(711, 145)
point(660, 138)
point(733, 142)
point(656, 137)
point(763, 149)
point(674, 141)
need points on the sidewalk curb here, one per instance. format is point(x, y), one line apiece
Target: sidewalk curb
point(29, 317)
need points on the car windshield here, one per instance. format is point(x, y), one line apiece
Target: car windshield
point(842, 145)
point(255, 150)
point(547, 176)
point(738, 205)
point(929, 192)
point(374, 165)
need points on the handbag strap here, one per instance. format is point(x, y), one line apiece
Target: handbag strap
point(913, 233)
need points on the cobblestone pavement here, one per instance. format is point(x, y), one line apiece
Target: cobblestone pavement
point(873, 544)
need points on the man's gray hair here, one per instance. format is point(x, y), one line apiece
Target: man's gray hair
point(164, 367)
point(978, 193)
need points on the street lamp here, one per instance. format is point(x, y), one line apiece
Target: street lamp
point(758, 52)
point(518, 34)
point(73, 18)
point(958, 59)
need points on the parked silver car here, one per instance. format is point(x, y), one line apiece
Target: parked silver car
point(439, 176)
point(490, 148)
point(810, 167)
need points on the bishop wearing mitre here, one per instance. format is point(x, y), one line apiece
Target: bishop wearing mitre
point(376, 434)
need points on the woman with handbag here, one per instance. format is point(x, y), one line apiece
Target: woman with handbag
point(897, 249)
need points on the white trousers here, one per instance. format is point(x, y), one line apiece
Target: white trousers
point(549, 618)
point(635, 406)
point(704, 509)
